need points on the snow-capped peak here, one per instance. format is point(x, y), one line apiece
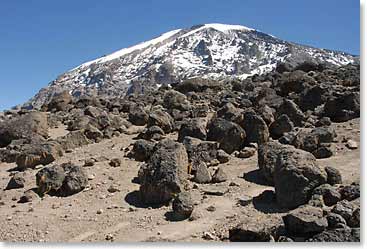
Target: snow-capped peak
point(128, 50)
point(211, 50)
point(226, 27)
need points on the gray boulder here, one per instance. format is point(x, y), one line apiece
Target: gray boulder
point(165, 174)
point(296, 175)
point(229, 135)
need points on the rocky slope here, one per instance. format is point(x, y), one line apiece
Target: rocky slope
point(273, 157)
point(214, 51)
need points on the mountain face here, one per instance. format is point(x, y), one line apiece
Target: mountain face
point(215, 51)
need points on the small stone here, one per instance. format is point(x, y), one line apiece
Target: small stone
point(219, 176)
point(99, 211)
point(222, 156)
point(91, 177)
point(245, 200)
point(208, 236)
point(202, 174)
point(113, 189)
point(246, 152)
point(351, 144)
point(109, 237)
point(115, 162)
point(9, 218)
point(17, 181)
point(89, 162)
point(211, 208)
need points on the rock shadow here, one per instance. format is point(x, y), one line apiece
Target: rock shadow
point(133, 198)
point(171, 216)
point(256, 176)
point(266, 203)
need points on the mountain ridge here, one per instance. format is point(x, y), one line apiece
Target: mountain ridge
point(214, 51)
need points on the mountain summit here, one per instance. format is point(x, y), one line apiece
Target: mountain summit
point(210, 50)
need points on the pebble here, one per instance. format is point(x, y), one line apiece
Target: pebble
point(208, 236)
point(99, 211)
point(351, 144)
point(211, 208)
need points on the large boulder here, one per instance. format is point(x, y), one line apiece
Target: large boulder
point(200, 151)
point(296, 175)
point(61, 180)
point(343, 108)
point(142, 150)
point(267, 157)
point(28, 126)
point(137, 115)
point(165, 174)
point(161, 119)
point(195, 127)
point(250, 232)
point(337, 235)
point(60, 102)
point(175, 100)
point(183, 205)
point(32, 155)
point(72, 140)
point(281, 126)
point(305, 221)
point(229, 135)
point(256, 129)
point(294, 113)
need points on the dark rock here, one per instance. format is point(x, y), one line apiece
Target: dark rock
point(335, 220)
point(202, 174)
point(246, 152)
point(75, 180)
point(29, 196)
point(137, 115)
point(93, 133)
point(219, 176)
point(267, 158)
point(161, 119)
point(250, 232)
point(350, 192)
point(256, 129)
point(324, 121)
point(230, 136)
point(60, 102)
point(344, 208)
point(152, 133)
point(62, 180)
point(294, 113)
point(223, 156)
point(165, 174)
point(355, 220)
point(305, 221)
point(28, 126)
point(337, 235)
point(72, 140)
point(93, 111)
point(175, 100)
point(195, 127)
point(200, 151)
point(280, 126)
point(333, 175)
point(183, 205)
point(142, 150)
point(16, 181)
point(296, 174)
point(330, 194)
point(36, 154)
point(343, 108)
point(115, 162)
point(323, 152)
point(230, 113)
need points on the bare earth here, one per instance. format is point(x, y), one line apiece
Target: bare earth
point(95, 214)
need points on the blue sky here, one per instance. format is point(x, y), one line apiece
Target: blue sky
point(41, 39)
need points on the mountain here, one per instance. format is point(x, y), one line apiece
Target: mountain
point(211, 50)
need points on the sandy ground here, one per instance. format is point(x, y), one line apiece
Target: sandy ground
point(97, 215)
